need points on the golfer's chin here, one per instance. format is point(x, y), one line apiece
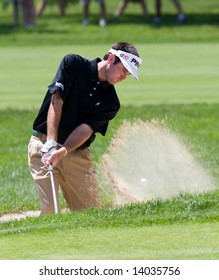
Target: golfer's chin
point(114, 82)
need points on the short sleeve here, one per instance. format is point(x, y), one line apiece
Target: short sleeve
point(65, 76)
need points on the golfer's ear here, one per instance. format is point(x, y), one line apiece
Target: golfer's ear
point(111, 58)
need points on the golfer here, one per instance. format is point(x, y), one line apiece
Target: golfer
point(80, 102)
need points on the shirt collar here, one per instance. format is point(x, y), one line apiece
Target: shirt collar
point(94, 69)
point(94, 73)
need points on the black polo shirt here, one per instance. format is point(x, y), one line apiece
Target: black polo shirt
point(86, 99)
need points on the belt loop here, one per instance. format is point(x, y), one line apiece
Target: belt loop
point(39, 135)
point(35, 133)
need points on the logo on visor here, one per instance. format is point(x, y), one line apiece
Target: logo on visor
point(126, 57)
point(135, 62)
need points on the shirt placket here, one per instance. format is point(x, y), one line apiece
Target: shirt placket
point(94, 93)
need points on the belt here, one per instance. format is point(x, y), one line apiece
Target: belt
point(34, 132)
point(42, 136)
point(39, 135)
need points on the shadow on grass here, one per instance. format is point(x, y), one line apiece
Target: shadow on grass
point(169, 20)
point(49, 23)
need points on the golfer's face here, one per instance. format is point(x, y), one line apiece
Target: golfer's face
point(117, 73)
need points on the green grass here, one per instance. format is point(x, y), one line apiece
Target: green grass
point(122, 243)
point(170, 73)
point(178, 82)
point(18, 192)
point(185, 208)
point(139, 230)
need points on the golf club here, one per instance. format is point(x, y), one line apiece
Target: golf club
point(53, 189)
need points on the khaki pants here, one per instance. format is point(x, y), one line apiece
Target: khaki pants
point(74, 174)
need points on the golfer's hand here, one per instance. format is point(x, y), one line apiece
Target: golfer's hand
point(47, 149)
point(55, 157)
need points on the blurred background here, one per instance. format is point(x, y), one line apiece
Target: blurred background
point(62, 22)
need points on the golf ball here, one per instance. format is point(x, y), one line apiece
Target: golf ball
point(144, 181)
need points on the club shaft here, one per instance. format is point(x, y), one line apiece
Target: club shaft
point(53, 190)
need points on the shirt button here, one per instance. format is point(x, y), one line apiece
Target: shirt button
point(91, 94)
point(94, 88)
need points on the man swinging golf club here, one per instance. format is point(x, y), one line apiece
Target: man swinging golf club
point(79, 103)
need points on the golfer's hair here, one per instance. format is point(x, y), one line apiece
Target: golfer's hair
point(122, 46)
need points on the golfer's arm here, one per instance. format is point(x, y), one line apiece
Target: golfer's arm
point(78, 137)
point(54, 116)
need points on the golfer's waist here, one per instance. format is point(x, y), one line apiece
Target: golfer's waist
point(43, 137)
point(37, 133)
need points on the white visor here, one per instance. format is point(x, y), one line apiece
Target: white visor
point(130, 61)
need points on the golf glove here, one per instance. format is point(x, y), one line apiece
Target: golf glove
point(47, 149)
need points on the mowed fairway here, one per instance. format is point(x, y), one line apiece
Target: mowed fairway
point(151, 242)
point(170, 73)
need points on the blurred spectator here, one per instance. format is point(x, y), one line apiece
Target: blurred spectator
point(42, 5)
point(177, 3)
point(86, 12)
point(124, 3)
point(26, 8)
point(28, 13)
point(17, 6)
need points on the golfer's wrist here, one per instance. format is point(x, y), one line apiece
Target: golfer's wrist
point(63, 150)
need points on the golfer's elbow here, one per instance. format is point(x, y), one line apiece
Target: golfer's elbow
point(56, 101)
point(86, 130)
